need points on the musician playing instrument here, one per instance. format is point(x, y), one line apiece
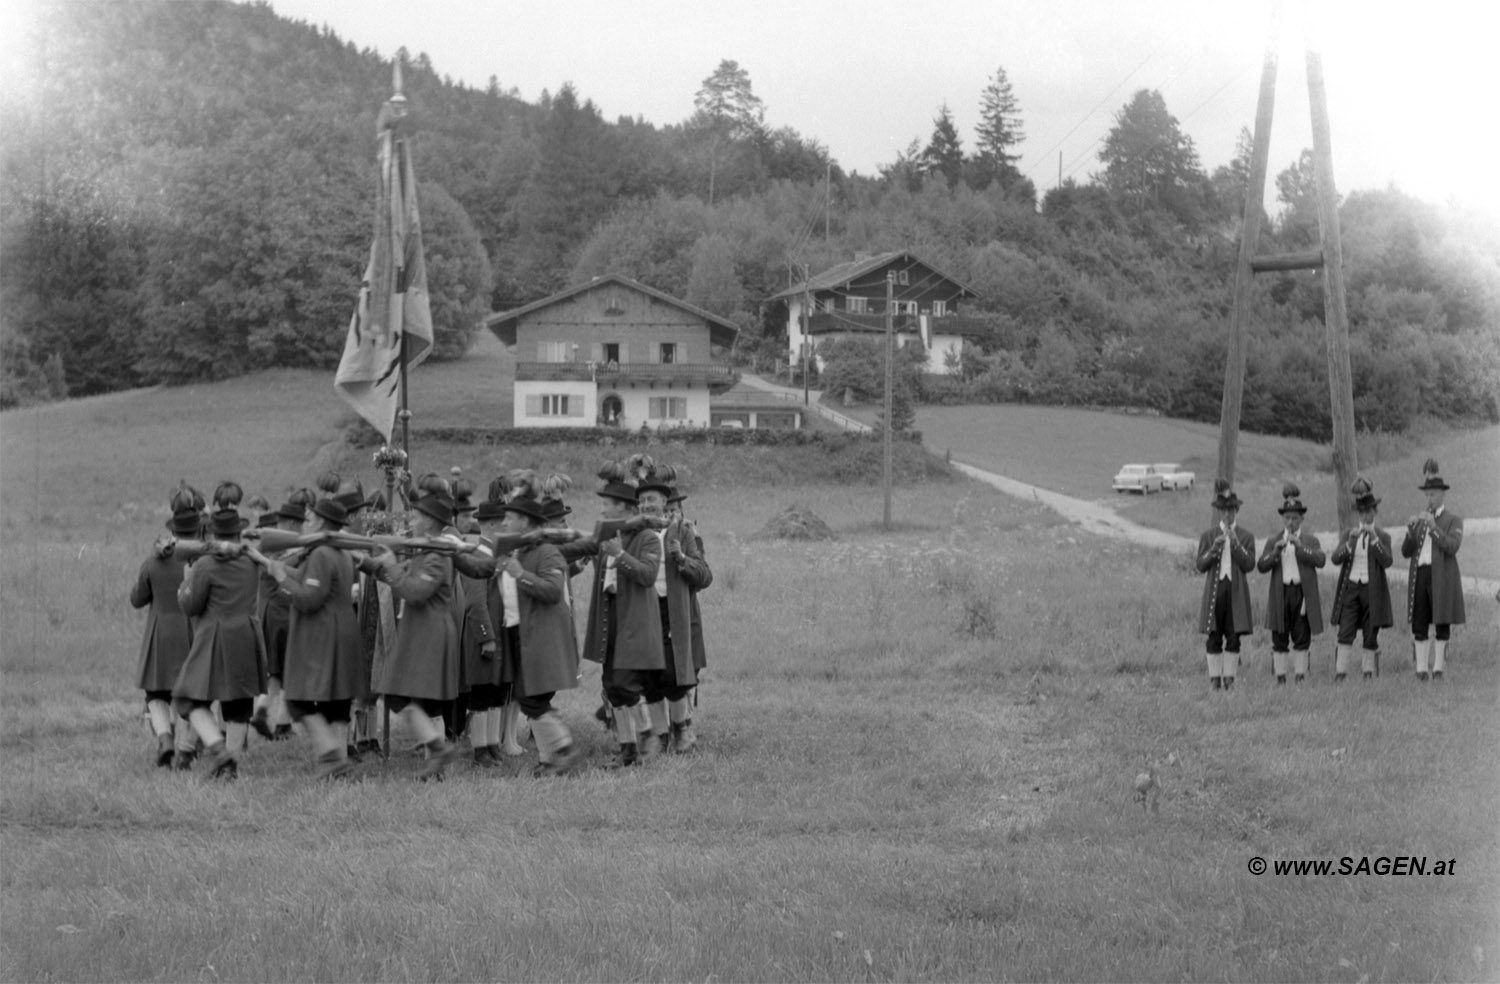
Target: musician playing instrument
point(1293, 611)
point(1435, 595)
point(1362, 600)
point(1225, 555)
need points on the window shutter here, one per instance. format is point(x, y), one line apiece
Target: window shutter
point(533, 405)
point(598, 352)
point(655, 351)
point(575, 405)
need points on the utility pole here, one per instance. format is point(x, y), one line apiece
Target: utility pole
point(890, 352)
point(827, 197)
point(806, 326)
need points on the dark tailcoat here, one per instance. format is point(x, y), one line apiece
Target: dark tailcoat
point(1447, 586)
point(227, 659)
point(325, 657)
point(1242, 562)
point(169, 635)
point(1381, 557)
point(1310, 559)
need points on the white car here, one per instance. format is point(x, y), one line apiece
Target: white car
point(1138, 478)
point(1173, 477)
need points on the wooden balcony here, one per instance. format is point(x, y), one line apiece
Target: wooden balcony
point(828, 322)
point(716, 377)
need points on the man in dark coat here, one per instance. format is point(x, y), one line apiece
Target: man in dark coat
point(1435, 592)
point(168, 638)
point(683, 574)
point(227, 659)
point(420, 676)
point(274, 610)
point(1294, 613)
point(1362, 599)
point(1225, 555)
point(624, 623)
point(324, 653)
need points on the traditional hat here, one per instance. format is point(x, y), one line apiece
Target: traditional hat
point(463, 493)
point(555, 509)
point(1431, 480)
point(1364, 494)
point(1224, 497)
point(1291, 500)
point(227, 522)
point(266, 520)
point(658, 479)
point(332, 512)
point(352, 501)
point(618, 476)
point(526, 506)
point(618, 490)
point(676, 496)
point(489, 510)
point(186, 522)
point(294, 511)
point(437, 506)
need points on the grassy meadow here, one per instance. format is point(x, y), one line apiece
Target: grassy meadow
point(916, 761)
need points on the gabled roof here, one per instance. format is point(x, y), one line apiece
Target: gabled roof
point(503, 324)
point(837, 276)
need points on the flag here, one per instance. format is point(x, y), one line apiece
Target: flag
point(393, 295)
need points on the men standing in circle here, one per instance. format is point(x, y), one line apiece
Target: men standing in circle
point(420, 676)
point(1362, 600)
point(1294, 613)
point(169, 635)
point(1435, 593)
point(227, 660)
point(624, 623)
point(1225, 555)
point(324, 654)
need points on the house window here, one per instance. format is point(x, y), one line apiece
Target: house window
point(903, 277)
point(827, 305)
point(668, 408)
point(554, 405)
point(939, 308)
point(552, 351)
point(668, 352)
point(612, 352)
point(854, 305)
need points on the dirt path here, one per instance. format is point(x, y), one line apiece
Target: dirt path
point(1101, 519)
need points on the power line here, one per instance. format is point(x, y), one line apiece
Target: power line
point(1047, 154)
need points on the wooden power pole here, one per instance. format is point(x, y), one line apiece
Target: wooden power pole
point(890, 358)
point(1329, 257)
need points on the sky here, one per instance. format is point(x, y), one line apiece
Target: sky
point(1411, 87)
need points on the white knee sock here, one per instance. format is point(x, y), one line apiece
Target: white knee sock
point(207, 728)
point(493, 719)
point(1421, 648)
point(1299, 662)
point(1215, 664)
point(679, 710)
point(1439, 654)
point(236, 734)
point(161, 717)
point(1278, 663)
point(422, 725)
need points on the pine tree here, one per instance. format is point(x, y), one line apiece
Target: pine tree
point(999, 130)
point(944, 154)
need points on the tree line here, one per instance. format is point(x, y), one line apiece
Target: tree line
point(189, 195)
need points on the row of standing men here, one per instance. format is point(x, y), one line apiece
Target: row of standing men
point(473, 626)
point(1362, 600)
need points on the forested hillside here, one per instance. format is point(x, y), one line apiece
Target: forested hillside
point(188, 188)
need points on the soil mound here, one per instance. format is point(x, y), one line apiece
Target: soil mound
point(796, 522)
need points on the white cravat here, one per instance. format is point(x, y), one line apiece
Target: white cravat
point(1224, 568)
point(1360, 572)
point(1289, 572)
point(1424, 559)
point(510, 600)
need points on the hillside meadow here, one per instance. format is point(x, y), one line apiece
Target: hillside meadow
point(917, 758)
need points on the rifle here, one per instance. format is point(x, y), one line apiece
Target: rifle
point(279, 540)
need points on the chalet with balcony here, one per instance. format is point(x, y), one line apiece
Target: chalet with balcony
point(849, 300)
point(614, 352)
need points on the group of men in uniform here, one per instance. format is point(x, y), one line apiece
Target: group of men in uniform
point(1362, 598)
point(469, 631)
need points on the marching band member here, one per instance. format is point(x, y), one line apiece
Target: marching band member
point(484, 677)
point(1225, 555)
point(1362, 599)
point(1293, 612)
point(226, 662)
point(169, 634)
point(420, 676)
point(324, 654)
point(1434, 593)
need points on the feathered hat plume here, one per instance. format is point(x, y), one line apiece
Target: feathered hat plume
point(258, 503)
point(304, 497)
point(329, 482)
point(433, 483)
point(228, 495)
point(185, 497)
point(1289, 490)
point(555, 486)
point(499, 488)
point(1361, 487)
point(638, 466)
point(522, 483)
point(614, 471)
point(1429, 467)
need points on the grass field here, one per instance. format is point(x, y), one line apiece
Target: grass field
point(917, 759)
